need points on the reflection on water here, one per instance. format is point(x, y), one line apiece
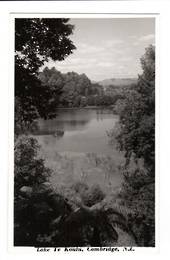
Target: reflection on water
point(77, 130)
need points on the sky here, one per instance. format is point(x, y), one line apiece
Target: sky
point(108, 47)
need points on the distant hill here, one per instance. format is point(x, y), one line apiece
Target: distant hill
point(118, 82)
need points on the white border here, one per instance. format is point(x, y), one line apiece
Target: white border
point(162, 94)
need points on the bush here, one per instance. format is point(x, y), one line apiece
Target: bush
point(89, 195)
point(29, 176)
point(29, 170)
point(80, 187)
point(93, 195)
point(138, 194)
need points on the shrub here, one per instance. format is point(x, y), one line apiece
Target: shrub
point(29, 170)
point(80, 187)
point(93, 195)
point(29, 175)
point(138, 194)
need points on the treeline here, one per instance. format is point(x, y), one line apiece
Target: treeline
point(74, 90)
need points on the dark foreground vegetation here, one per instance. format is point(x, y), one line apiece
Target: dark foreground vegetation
point(42, 215)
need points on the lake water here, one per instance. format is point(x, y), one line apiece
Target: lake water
point(78, 130)
point(71, 144)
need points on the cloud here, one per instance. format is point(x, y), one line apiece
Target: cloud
point(112, 43)
point(107, 57)
point(105, 64)
point(125, 58)
point(101, 47)
point(88, 49)
point(144, 39)
point(79, 61)
point(73, 63)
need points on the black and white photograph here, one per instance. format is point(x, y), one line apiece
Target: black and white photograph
point(84, 148)
point(84, 143)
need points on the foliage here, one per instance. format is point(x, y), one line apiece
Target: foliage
point(29, 174)
point(137, 138)
point(74, 90)
point(138, 194)
point(137, 118)
point(22, 125)
point(36, 41)
point(89, 195)
point(48, 219)
point(29, 169)
point(93, 196)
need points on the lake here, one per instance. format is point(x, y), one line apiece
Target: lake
point(75, 145)
point(79, 130)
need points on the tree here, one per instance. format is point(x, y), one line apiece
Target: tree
point(69, 89)
point(137, 138)
point(137, 118)
point(36, 41)
point(29, 169)
point(53, 81)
